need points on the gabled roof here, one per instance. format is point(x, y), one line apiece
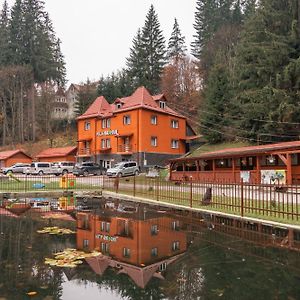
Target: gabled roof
point(52, 152)
point(60, 92)
point(100, 107)
point(250, 150)
point(7, 154)
point(141, 98)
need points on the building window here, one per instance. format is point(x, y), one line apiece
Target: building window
point(163, 267)
point(175, 246)
point(174, 123)
point(105, 143)
point(162, 104)
point(126, 252)
point(119, 105)
point(85, 243)
point(87, 125)
point(154, 229)
point(154, 120)
point(154, 251)
point(105, 226)
point(104, 248)
point(153, 141)
point(175, 225)
point(108, 123)
point(103, 123)
point(174, 144)
point(126, 120)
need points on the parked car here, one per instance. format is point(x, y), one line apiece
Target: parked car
point(16, 168)
point(39, 168)
point(63, 167)
point(89, 168)
point(123, 169)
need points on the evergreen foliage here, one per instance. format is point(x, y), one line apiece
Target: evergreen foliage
point(147, 55)
point(176, 46)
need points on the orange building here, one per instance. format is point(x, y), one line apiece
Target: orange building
point(140, 127)
point(9, 158)
point(132, 242)
point(58, 154)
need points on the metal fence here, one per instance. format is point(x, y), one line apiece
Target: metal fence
point(273, 202)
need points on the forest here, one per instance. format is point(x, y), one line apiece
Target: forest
point(240, 80)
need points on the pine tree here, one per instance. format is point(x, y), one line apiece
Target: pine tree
point(262, 57)
point(215, 117)
point(136, 62)
point(176, 46)
point(4, 36)
point(153, 44)
point(205, 25)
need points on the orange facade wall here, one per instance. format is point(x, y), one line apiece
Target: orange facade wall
point(139, 131)
point(17, 158)
point(140, 242)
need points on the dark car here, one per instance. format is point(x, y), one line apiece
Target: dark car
point(89, 168)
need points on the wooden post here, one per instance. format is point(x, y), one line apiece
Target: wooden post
point(289, 169)
point(258, 180)
point(233, 169)
point(214, 169)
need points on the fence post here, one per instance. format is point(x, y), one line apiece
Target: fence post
point(191, 194)
point(117, 184)
point(242, 197)
point(134, 186)
point(157, 187)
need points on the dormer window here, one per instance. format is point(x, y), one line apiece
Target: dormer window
point(162, 104)
point(119, 105)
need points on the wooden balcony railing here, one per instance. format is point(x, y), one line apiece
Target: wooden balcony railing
point(84, 151)
point(125, 148)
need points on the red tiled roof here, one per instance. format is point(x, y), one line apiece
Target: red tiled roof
point(51, 152)
point(100, 107)
point(7, 154)
point(261, 149)
point(141, 98)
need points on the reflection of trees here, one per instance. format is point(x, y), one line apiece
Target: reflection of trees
point(22, 253)
point(233, 269)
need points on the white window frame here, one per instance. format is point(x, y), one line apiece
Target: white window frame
point(162, 104)
point(127, 120)
point(126, 252)
point(153, 141)
point(103, 123)
point(107, 123)
point(153, 120)
point(174, 144)
point(174, 123)
point(87, 125)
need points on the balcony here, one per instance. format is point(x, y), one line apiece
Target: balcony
point(84, 152)
point(125, 149)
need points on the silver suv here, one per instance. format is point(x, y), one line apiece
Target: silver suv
point(124, 168)
point(62, 167)
point(39, 168)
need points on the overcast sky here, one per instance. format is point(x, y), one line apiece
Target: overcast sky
point(97, 34)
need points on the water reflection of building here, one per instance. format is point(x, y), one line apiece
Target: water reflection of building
point(140, 244)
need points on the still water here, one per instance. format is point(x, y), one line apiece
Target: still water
point(147, 252)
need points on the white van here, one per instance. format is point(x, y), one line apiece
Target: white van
point(39, 168)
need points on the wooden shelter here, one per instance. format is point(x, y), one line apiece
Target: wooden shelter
point(267, 164)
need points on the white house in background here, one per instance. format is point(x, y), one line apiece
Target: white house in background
point(60, 105)
point(71, 95)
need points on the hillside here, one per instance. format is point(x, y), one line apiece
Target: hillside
point(58, 140)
